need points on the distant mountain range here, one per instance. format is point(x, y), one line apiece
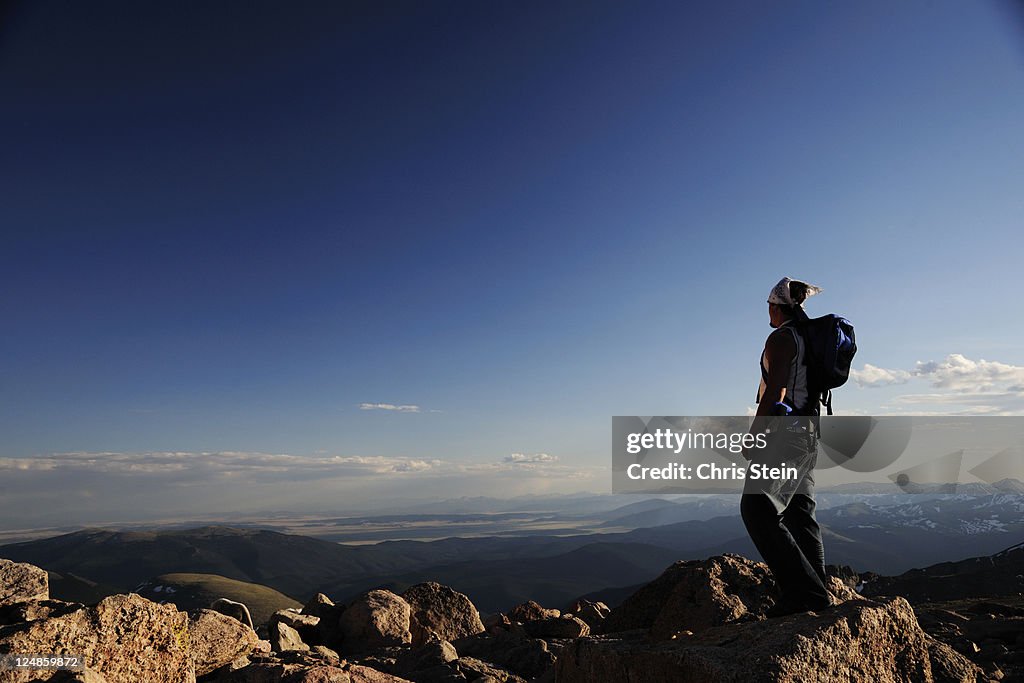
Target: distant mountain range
point(885, 533)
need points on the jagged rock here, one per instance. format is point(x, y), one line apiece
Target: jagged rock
point(377, 619)
point(512, 650)
point(477, 670)
point(284, 638)
point(531, 611)
point(217, 640)
point(20, 581)
point(319, 605)
point(428, 657)
point(125, 638)
point(841, 591)
point(328, 631)
point(364, 674)
point(233, 665)
point(696, 594)
point(593, 613)
point(857, 641)
point(325, 652)
point(496, 623)
point(559, 627)
point(442, 673)
point(846, 575)
point(318, 674)
point(948, 666)
point(440, 613)
point(307, 625)
point(295, 619)
point(582, 603)
point(18, 612)
point(991, 634)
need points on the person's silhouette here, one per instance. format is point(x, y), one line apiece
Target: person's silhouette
point(779, 514)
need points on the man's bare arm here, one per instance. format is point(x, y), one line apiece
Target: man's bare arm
point(779, 352)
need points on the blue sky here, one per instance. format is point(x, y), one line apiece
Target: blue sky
point(229, 230)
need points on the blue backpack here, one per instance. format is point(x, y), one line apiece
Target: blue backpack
point(830, 345)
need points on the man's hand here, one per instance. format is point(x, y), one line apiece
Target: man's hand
point(779, 352)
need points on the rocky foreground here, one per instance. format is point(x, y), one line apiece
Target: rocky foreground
point(699, 621)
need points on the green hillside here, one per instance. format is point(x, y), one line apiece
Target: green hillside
point(196, 591)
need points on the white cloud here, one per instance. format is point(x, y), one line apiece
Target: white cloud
point(964, 374)
point(536, 458)
point(415, 465)
point(955, 371)
point(391, 407)
point(872, 376)
point(966, 386)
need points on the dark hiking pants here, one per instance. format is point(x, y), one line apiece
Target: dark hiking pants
point(779, 516)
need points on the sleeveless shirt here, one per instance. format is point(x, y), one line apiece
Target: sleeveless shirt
point(797, 396)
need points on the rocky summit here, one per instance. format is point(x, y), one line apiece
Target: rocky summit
point(701, 620)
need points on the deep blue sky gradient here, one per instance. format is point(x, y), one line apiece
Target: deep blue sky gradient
point(226, 225)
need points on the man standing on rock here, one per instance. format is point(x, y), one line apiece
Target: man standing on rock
point(779, 513)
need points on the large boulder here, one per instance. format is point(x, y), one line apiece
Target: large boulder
point(124, 638)
point(320, 606)
point(284, 638)
point(217, 640)
point(531, 611)
point(20, 582)
point(377, 619)
point(328, 630)
point(511, 650)
point(857, 641)
point(696, 594)
point(440, 613)
point(593, 613)
point(432, 655)
point(478, 670)
point(566, 626)
point(293, 630)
